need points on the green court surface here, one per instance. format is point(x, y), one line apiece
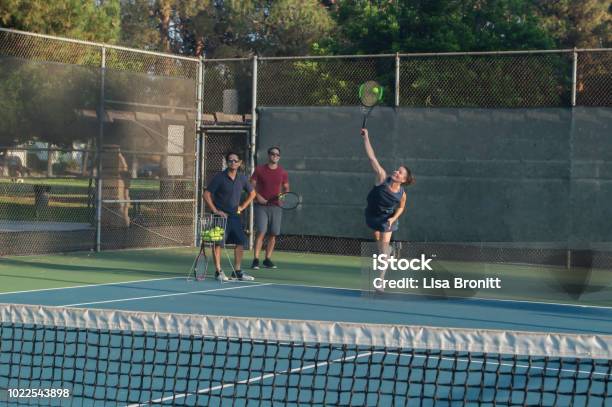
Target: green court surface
point(547, 284)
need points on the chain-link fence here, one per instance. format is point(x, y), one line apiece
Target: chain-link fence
point(97, 147)
point(481, 80)
point(495, 80)
point(486, 81)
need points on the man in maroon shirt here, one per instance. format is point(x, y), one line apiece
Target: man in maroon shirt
point(269, 181)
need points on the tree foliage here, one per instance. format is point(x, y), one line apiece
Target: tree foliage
point(578, 23)
point(230, 28)
point(85, 20)
point(160, 25)
point(42, 102)
point(436, 26)
point(225, 28)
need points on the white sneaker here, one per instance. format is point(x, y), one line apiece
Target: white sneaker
point(242, 276)
point(220, 276)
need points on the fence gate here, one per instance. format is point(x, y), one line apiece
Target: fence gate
point(217, 140)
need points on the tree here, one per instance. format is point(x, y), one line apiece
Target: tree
point(42, 101)
point(160, 25)
point(578, 23)
point(377, 26)
point(288, 27)
point(225, 28)
point(584, 24)
point(85, 20)
point(437, 26)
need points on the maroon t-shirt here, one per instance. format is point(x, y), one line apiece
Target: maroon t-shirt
point(269, 182)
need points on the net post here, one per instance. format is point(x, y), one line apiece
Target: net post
point(397, 79)
point(99, 153)
point(252, 144)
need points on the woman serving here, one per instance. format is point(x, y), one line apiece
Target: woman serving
point(387, 199)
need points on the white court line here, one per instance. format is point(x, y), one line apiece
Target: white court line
point(453, 296)
point(329, 288)
point(487, 362)
point(253, 379)
point(316, 365)
point(90, 285)
point(164, 295)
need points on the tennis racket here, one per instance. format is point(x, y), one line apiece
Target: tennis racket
point(200, 264)
point(289, 200)
point(370, 94)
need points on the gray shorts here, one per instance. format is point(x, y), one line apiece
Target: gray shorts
point(268, 219)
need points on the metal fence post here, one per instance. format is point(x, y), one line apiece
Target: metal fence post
point(197, 191)
point(574, 75)
point(252, 144)
point(397, 79)
point(99, 153)
point(568, 256)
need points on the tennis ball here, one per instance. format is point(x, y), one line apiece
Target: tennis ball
point(375, 90)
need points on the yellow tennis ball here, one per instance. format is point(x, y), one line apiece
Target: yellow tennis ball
point(375, 90)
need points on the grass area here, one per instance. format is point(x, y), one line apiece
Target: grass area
point(24, 210)
point(72, 202)
point(135, 184)
point(68, 199)
point(67, 182)
point(519, 282)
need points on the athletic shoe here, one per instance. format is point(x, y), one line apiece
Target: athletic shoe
point(220, 276)
point(268, 264)
point(239, 275)
point(255, 264)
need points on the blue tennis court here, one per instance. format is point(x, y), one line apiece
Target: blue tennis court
point(289, 301)
point(106, 364)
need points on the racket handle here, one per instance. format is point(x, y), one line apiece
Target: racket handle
point(365, 120)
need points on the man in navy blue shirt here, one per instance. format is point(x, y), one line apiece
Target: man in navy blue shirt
point(222, 196)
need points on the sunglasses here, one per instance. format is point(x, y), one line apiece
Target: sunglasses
point(275, 154)
point(233, 161)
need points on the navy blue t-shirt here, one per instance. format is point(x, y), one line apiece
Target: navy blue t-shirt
point(226, 191)
point(382, 201)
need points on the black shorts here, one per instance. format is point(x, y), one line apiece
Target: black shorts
point(234, 234)
point(380, 223)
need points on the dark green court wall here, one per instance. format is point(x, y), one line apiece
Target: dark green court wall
point(483, 175)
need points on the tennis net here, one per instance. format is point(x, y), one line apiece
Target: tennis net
point(107, 357)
